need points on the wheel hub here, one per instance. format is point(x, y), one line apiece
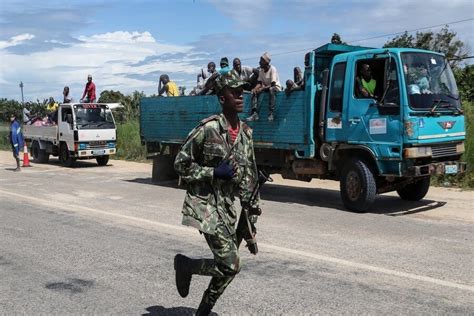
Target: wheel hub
point(353, 186)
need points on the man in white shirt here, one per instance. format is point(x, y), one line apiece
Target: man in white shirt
point(268, 80)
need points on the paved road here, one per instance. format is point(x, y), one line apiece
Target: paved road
point(101, 240)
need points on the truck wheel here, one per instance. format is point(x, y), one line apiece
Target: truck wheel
point(415, 191)
point(102, 160)
point(39, 155)
point(358, 186)
point(65, 156)
point(163, 168)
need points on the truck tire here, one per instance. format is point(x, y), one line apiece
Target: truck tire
point(39, 155)
point(358, 187)
point(67, 160)
point(415, 191)
point(163, 168)
point(102, 160)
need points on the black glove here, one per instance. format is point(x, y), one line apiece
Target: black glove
point(224, 171)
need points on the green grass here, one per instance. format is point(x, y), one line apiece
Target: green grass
point(129, 146)
point(4, 143)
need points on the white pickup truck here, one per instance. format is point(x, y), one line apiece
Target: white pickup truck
point(83, 131)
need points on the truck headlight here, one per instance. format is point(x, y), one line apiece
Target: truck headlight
point(111, 145)
point(417, 152)
point(460, 148)
point(82, 146)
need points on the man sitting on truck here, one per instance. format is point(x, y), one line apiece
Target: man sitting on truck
point(169, 87)
point(89, 91)
point(246, 73)
point(365, 84)
point(268, 80)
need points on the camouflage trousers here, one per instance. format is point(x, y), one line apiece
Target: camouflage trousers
point(225, 265)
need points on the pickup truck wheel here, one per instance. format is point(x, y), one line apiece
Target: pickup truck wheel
point(102, 160)
point(358, 187)
point(65, 157)
point(39, 155)
point(415, 191)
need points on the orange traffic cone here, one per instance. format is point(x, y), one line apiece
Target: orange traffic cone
point(26, 159)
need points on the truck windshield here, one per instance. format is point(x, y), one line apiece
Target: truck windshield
point(430, 82)
point(93, 116)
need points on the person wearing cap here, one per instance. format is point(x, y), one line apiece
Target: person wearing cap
point(216, 160)
point(169, 87)
point(89, 91)
point(268, 80)
point(16, 140)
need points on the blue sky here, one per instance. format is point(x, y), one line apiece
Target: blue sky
point(126, 45)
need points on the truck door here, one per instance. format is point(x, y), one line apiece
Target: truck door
point(336, 98)
point(374, 81)
point(66, 130)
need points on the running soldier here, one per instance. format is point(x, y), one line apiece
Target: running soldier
point(216, 160)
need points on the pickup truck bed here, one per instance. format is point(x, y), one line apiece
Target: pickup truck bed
point(45, 133)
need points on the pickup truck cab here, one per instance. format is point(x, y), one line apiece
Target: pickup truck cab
point(83, 131)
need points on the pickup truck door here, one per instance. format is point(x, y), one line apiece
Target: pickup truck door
point(65, 128)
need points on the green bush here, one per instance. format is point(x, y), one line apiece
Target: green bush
point(129, 145)
point(4, 142)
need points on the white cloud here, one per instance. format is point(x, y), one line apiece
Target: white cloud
point(16, 40)
point(109, 57)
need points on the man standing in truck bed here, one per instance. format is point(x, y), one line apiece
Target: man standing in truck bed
point(216, 160)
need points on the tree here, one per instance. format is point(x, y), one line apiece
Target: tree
point(465, 79)
point(110, 96)
point(336, 39)
point(444, 41)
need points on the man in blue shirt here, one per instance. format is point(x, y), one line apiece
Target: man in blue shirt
point(16, 140)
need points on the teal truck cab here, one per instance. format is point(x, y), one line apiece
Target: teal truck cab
point(409, 128)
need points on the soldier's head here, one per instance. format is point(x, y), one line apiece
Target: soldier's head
point(229, 89)
point(237, 65)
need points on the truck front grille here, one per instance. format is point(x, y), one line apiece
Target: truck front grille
point(443, 150)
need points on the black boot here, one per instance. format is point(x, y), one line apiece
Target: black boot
point(183, 274)
point(204, 309)
point(17, 165)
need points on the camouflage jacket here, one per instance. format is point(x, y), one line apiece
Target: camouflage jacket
point(210, 200)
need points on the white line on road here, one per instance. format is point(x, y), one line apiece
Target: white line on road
point(284, 250)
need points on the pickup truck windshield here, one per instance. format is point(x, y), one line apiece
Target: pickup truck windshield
point(93, 116)
point(430, 82)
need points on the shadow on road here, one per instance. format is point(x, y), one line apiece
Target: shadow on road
point(78, 164)
point(172, 311)
point(384, 204)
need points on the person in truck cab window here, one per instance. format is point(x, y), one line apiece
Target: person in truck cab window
point(89, 91)
point(170, 87)
point(365, 84)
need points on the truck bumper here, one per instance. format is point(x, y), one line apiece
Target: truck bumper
point(88, 153)
point(437, 168)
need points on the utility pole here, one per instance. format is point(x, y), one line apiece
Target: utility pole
point(22, 98)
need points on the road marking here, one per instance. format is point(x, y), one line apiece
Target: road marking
point(284, 250)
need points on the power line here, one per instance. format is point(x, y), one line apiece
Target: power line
point(373, 37)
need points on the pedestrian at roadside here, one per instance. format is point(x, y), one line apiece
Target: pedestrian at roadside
point(268, 81)
point(216, 160)
point(89, 91)
point(16, 139)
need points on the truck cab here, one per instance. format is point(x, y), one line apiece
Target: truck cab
point(83, 131)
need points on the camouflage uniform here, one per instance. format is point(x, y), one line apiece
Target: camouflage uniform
point(208, 205)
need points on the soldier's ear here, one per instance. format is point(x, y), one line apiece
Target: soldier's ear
point(221, 99)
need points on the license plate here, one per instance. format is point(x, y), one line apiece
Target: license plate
point(98, 152)
point(451, 169)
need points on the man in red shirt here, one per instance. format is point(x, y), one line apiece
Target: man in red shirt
point(89, 91)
